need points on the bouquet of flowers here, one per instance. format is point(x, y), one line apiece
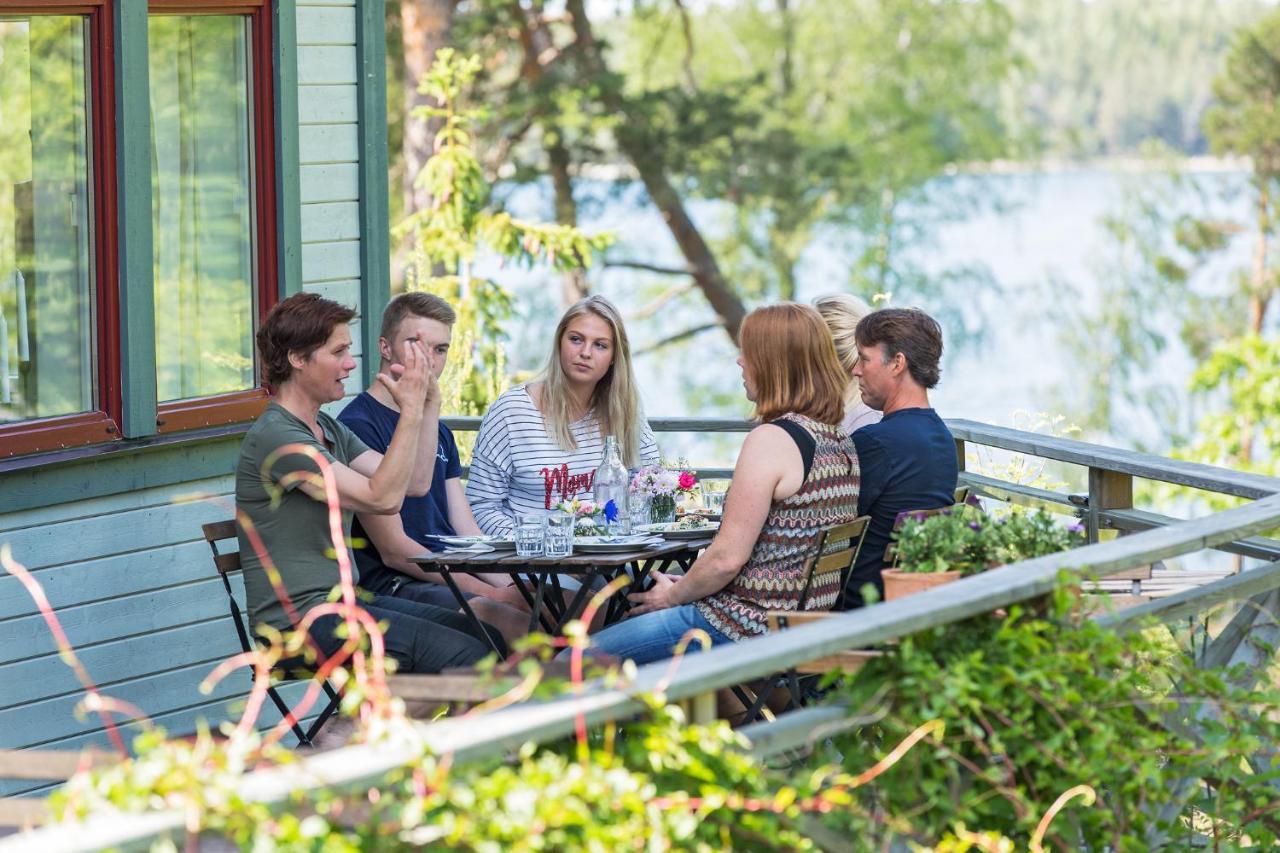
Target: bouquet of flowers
point(661, 486)
point(590, 518)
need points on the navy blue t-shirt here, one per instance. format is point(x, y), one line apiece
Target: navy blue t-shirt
point(907, 461)
point(374, 423)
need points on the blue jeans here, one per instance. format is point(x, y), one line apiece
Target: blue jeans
point(654, 636)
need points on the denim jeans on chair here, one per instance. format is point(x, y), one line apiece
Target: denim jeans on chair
point(654, 636)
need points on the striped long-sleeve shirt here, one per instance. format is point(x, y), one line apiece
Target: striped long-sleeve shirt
point(517, 466)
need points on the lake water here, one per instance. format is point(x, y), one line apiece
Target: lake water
point(1041, 239)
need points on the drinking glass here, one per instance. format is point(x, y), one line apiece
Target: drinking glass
point(531, 531)
point(713, 492)
point(559, 538)
point(639, 506)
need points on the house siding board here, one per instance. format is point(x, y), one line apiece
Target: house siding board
point(333, 104)
point(129, 572)
point(330, 182)
point(326, 25)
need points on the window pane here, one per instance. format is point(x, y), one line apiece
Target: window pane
point(203, 204)
point(47, 306)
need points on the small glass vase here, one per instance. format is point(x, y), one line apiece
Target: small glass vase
point(662, 509)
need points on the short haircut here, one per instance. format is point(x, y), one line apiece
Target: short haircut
point(417, 304)
point(909, 331)
point(791, 360)
point(300, 324)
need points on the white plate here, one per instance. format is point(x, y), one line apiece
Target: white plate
point(609, 544)
point(673, 530)
point(497, 543)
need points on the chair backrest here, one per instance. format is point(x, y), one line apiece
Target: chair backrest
point(219, 531)
point(839, 561)
point(227, 563)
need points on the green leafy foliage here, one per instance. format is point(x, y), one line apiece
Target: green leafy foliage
point(1034, 705)
point(463, 222)
point(967, 540)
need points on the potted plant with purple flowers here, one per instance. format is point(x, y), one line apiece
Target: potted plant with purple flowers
point(931, 549)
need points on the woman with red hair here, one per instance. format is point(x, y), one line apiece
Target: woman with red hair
point(797, 473)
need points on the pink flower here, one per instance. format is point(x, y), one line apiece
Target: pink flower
point(687, 480)
point(586, 508)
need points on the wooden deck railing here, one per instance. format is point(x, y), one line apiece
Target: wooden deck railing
point(1108, 503)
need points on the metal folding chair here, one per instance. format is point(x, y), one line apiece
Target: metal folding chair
point(227, 563)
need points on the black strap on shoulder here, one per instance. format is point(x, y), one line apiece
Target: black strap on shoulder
point(803, 440)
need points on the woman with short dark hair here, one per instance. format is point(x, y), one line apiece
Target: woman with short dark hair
point(282, 498)
point(797, 473)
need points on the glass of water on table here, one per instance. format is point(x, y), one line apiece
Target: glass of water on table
point(531, 531)
point(559, 538)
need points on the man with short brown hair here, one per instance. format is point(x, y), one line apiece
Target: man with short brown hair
point(437, 506)
point(908, 459)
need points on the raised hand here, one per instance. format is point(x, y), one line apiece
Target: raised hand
point(434, 396)
point(408, 382)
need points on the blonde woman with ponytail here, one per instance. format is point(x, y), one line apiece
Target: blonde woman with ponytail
point(841, 312)
point(540, 443)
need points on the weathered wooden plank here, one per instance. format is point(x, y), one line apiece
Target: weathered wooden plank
point(1107, 490)
point(28, 637)
point(1145, 465)
point(50, 763)
point(799, 729)
point(326, 143)
point(334, 104)
point(333, 260)
point(331, 221)
point(1016, 493)
point(330, 182)
point(323, 64)
point(22, 813)
point(326, 25)
point(121, 533)
point(1257, 547)
point(1192, 601)
point(447, 688)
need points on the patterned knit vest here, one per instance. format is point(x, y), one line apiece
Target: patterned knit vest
point(772, 578)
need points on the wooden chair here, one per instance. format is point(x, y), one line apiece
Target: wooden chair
point(227, 563)
point(40, 765)
point(824, 561)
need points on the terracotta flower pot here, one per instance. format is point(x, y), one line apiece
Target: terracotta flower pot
point(898, 583)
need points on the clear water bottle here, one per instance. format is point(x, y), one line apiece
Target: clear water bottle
point(611, 487)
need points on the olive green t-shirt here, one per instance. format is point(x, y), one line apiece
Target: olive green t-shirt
point(295, 532)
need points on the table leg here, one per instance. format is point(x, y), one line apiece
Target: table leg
point(466, 609)
point(535, 617)
point(579, 601)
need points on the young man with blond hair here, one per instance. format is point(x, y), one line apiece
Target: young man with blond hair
point(436, 505)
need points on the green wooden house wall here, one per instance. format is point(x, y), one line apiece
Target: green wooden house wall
point(115, 538)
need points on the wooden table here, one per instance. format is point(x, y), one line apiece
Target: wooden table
point(538, 578)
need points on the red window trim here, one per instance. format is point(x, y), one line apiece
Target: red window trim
point(179, 415)
point(102, 424)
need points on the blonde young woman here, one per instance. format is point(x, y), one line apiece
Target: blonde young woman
point(797, 473)
point(842, 312)
point(540, 443)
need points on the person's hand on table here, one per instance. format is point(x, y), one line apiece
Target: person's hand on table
point(656, 597)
